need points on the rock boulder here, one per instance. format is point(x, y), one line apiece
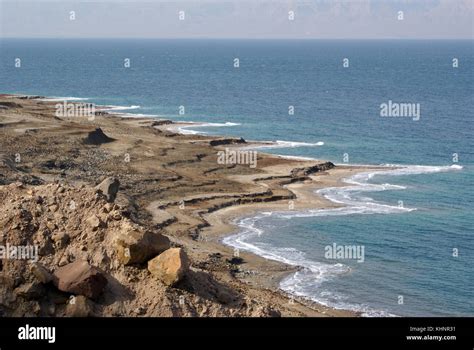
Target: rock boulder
point(109, 187)
point(135, 245)
point(170, 266)
point(80, 278)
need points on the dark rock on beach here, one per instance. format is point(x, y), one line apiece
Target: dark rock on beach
point(226, 141)
point(299, 172)
point(97, 137)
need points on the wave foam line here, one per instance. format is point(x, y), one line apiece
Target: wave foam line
point(296, 157)
point(186, 129)
point(306, 281)
point(311, 274)
point(58, 99)
point(287, 144)
point(137, 115)
point(289, 256)
point(118, 108)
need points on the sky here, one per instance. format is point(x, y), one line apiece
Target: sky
point(259, 19)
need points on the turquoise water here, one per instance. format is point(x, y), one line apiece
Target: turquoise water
point(409, 249)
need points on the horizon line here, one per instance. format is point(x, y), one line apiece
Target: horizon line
point(230, 38)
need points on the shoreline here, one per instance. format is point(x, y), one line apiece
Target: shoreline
point(222, 222)
point(260, 274)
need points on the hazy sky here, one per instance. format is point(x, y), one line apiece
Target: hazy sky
point(325, 19)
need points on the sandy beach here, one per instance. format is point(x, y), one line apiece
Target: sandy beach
point(172, 184)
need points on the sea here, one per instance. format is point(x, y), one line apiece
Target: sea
point(319, 99)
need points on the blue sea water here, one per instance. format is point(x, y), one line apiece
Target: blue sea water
point(409, 249)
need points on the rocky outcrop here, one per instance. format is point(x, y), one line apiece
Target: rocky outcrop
point(226, 141)
point(10, 105)
point(30, 97)
point(170, 266)
point(161, 122)
point(57, 214)
point(80, 278)
point(134, 245)
point(97, 137)
point(299, 172)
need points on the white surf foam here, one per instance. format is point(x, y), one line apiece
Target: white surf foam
point(218, 124)
point(183, 130)
point(296, 157)
point(54, 99)
point(287, 144)
point(289, 256)
point(118, 108)
point(137, 115)
point(188, 129)
point(305, 281)
point(310, 275)
point(302, 284)
point(354, 203)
